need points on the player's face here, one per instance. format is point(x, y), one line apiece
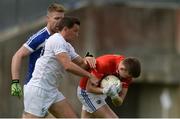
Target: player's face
point(53, 19)
point(123, 72)
point(72, 33)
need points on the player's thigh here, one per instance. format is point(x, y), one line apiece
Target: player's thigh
point(28, 115)
point(85, 114)
point(62, 109)
point(104, 112)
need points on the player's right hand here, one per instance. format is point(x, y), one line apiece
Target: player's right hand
point(90, 61)
point(106, 90)
point(16, 89)
point(94, 80)
point(119, 87)
point(113, 91)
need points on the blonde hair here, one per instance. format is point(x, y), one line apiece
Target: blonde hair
point(55, 7)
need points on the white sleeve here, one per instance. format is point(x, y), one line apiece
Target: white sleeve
point(72, 52)
point(59, 47)
point(55, 45)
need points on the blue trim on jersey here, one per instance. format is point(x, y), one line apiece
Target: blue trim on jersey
point(37, 39)
point(36, 42)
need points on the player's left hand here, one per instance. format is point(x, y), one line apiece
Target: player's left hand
point(16, 89)
point(91, 61)
point(94, 80)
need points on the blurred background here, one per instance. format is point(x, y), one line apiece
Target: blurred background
point(146, 29)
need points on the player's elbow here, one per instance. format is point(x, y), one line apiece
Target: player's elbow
point(67, 66)
point(19, 55)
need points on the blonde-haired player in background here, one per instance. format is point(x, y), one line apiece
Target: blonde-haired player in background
point(33, 47)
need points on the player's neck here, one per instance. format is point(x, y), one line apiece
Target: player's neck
point(49, 29)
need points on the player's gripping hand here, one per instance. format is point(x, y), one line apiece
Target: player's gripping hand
point(16, 89)
point(90, 60)
point(118, 87)
point(116, 100)
point(94, 80)
point(106, 90)
point(113, 91)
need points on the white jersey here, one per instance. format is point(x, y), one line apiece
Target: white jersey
point(48, 71)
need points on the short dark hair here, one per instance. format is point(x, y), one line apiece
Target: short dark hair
point(133, 66)
point(68, 21)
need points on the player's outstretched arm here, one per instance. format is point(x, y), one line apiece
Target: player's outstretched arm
point(86, 62)
point(69, 66)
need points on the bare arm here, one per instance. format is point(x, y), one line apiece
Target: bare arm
point(123, 93)
point(69, 66)
point(17, 62)
point(86, 62)
point(93, 89)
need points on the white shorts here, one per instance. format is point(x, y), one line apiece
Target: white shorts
point(91, 102)
point(37, 100)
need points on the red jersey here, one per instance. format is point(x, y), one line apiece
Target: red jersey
point(106, 65)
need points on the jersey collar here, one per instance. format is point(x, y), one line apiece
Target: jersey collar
point(48, 31)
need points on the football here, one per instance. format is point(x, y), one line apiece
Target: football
point(110, 80)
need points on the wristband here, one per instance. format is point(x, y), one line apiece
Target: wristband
point(15, 81)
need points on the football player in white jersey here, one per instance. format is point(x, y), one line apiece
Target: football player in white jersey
point(41, 93)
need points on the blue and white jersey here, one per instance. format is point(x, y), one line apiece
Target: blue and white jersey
point(48, 71)
point(35, 44)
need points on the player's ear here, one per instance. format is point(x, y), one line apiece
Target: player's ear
point(47, 18)
point(65, 28)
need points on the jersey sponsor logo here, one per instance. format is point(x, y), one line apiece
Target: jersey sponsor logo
point(43, 110)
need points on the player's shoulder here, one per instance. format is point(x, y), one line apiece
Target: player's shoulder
point(41, 33)
point(43, 30)
point(57, 37)
point(38, 38)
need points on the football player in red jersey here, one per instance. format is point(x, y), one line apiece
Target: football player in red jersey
point(93, 97)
